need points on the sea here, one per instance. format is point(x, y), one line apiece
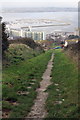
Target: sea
point(65, 17)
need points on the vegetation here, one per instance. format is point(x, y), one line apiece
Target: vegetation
point(73, 51)
point(17, 53)
point(73, 36)
point(5, 43)
point(34, 45)
point(62, 101)
point(29, 42)
point(19, 85)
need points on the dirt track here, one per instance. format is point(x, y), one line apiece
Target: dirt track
point(38, 109)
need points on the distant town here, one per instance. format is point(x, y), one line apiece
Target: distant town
point(15, 29)
point(56, 35)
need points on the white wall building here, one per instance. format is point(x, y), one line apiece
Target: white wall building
point(35, 35)
point(28, 34)
point(77, 32)
point(15, 32)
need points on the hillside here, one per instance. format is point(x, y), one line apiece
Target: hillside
point(20, 83)
point(17, 53)
point(73, 51)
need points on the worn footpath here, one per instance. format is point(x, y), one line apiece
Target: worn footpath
point(38, 109)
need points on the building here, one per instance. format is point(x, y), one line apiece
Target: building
point(28, 34)
point(15, 32)
point(35, 35)
point(77, 32)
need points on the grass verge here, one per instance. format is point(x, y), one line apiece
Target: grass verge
point(19, 85)
point(62, 101)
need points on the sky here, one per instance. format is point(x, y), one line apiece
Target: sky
point(39, 3)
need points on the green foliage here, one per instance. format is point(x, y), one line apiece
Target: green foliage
point(62, 101)
point(18, 79)
point(17, 53)
point(29, 42)
point(73, 37)
point(5, 43)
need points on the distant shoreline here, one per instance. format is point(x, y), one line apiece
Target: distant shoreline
point(43, 9)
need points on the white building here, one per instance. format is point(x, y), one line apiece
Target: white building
point(35, 35)
point(77, 32)
point(15, 32)
point(28, 34)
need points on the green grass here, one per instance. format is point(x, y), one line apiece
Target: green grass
point(19, 52)
point(62, 101)
point(17, 79)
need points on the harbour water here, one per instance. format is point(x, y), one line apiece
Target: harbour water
point(65, 17)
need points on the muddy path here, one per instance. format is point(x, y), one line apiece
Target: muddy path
point(38, 109)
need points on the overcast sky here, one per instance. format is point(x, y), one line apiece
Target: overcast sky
point(39, 3)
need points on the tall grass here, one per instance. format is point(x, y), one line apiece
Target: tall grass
point(19, 85)
point(62, 101)
point(19, 52)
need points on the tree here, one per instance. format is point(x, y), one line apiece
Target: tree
point(31, 43)
point(5, 43)
point(73, 36)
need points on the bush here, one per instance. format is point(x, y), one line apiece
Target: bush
point(5, 43)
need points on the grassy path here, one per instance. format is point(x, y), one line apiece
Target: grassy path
point(20, 83)
point(62, 101)
point(38, 109)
